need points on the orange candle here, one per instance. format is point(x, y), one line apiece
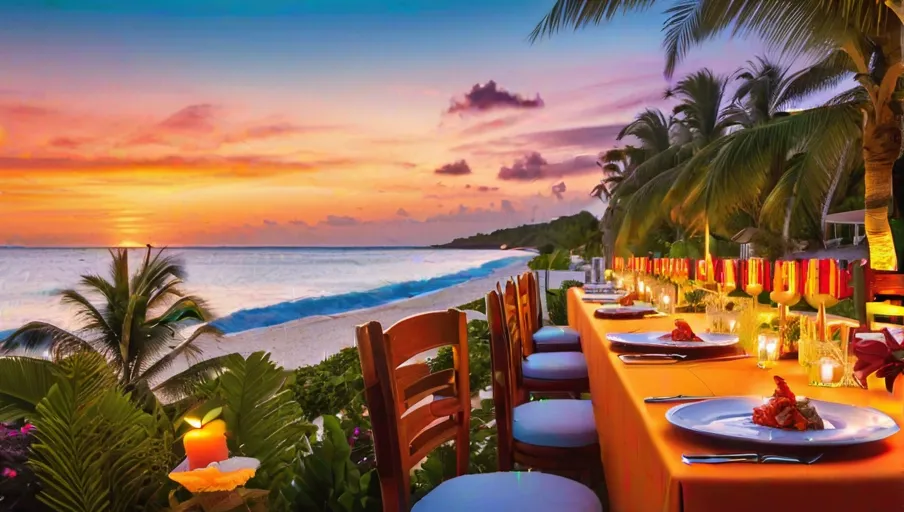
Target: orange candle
point(205, 445)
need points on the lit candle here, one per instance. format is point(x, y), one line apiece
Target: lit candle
point(827, 373)
point(767, 351)
point(620, 285)
point(205, 445)
point(731, 325)
point(665, 300)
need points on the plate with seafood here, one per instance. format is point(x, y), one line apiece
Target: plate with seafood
point(682, 337)
point(783, 419)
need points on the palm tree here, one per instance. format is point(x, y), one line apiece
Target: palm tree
point(772, 178)
point(138, 328)
point(867, 33)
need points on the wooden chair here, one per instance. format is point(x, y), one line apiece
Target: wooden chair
point(549, 435)
point(883, 287)
point(541, 371)
point(406, 428)
point(539, 337)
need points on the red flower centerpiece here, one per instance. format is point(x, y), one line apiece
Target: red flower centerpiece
point(883, 357)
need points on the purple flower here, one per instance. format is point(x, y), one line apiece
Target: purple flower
point(8, 473)
point(28, 427)
point(357, 432)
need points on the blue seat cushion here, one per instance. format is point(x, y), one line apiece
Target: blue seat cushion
point(555, 366)
point(556, 423)
point(516, 491)
point(556, 335)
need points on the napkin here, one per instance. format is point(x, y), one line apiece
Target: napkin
point(879, 356)
point(602, 297)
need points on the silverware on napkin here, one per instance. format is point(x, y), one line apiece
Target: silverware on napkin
point(748, 457)
point(676, 398)
point(672, 358)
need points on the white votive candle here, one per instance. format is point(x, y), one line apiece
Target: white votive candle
point(770, 349)
point(827, 373)
point(666, 299)
point(731, 324)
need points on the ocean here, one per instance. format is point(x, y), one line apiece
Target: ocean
point(250, 288)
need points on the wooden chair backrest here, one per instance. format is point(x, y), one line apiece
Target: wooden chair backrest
point(887, 285)
point(884, 309)
point(504, 389)
point(531, 282)
point(523, 286)
point(512, 315)
point(406, 427)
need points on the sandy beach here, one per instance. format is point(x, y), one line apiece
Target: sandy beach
point(310, 340)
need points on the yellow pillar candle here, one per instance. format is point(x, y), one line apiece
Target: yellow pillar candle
point(205, 445)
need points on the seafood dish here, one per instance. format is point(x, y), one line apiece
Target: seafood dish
point(682, 332)
point(787, 411)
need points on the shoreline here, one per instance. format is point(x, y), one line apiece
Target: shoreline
point(312, 339)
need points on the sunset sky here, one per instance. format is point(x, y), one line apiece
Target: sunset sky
point(309, 122)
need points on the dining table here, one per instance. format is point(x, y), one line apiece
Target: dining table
point(642, 451)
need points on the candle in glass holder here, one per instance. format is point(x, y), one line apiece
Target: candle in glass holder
point(205, 445)
point(767, 351)
point(826, 372)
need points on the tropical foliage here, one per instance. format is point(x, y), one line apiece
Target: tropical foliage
point(754, 166)
point(139, 327)
point(578, 233)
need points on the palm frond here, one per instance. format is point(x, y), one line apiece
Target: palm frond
point(186, 382)
point(37, 337)
point(825, 75)
point(581, 13)
point(24, 381)
point(264, 419)
point(185, 348)
point(89, 314)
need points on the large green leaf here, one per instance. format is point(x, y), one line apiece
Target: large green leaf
point(95, 450)
point(329, 481)
point(264, 421)
point(23, 383)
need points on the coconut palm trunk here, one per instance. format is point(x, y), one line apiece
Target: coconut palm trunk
point(881, 147)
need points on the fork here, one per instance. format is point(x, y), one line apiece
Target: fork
point(676, 398)
point(749, 457)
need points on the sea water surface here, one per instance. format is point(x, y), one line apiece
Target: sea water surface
point(249, 288)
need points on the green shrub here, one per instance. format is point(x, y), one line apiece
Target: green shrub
point(557, 260)
point(332, 386)
point(328, 479)
point(557, 302)
point(475, 305)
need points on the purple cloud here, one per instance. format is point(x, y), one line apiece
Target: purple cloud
point(270, 222)
point(507, 206)
point(340, 221)
point(489, 96)
point(533, 166)
point(193, 118)
point(459, 168)
point(402, 213)
point(559, 189)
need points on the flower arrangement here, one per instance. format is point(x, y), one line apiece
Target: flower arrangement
point(884, 357)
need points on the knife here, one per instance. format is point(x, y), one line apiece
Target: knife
point(672, 358)
point(676, 398)
point(748, 457)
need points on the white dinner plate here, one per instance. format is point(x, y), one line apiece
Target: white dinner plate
point(732, 418)
point(652, 340)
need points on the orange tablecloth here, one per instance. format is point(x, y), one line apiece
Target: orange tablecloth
point(642, 452)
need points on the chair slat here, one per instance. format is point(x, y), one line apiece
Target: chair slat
point(419, 418)
point(420, 333)
point(434, 436)
point(441, 382)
